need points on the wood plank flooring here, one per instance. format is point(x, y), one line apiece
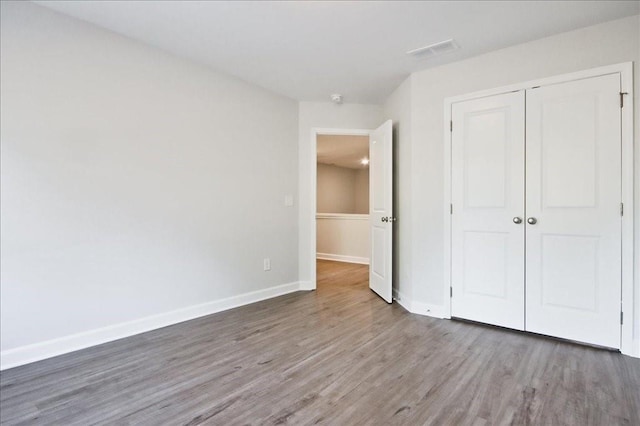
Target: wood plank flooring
point(336, 356)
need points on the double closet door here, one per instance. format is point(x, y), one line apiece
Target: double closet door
point(536, 225)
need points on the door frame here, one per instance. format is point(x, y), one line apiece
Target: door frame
point(630, 307)
point(313, 188)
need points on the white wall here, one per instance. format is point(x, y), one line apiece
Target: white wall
point(609, 43)
point(124, 184)
point(362, 191)
point(343, 237)
point(321, 115)
point(341, 190)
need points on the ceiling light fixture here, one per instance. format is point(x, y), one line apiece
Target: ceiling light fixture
point(336, 98)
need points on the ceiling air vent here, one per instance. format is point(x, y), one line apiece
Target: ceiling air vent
point(435, 49)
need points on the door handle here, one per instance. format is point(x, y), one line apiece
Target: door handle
point(385, 219)
point(532, 221)
point(389, 219)
point(517, 220)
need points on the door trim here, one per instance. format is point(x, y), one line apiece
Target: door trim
point(631, 308)
point(313, 166)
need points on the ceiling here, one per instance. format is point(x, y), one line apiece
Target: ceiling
point(343, 151)
point(307, 50)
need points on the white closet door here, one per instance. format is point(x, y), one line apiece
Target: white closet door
point(487, 271)
point(573, 276)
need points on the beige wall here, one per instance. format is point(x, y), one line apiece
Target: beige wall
point(362, 191)
point(342, 190)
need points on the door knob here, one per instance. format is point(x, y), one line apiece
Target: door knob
point(517, 220)
point(385, 219)
point(532, 221)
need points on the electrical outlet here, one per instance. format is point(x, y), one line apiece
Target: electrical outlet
point(267, 264)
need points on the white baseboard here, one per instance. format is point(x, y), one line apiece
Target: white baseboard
point(343, 258)
point(404, 303)
point(50, 348)
point(429, 310)
point(435, 311)
point(635, 346)
point(306, 285)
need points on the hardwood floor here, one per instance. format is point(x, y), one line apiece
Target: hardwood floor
point(336, 356)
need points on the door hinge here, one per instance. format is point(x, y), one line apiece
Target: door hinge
point(621, 209)
point(621, 318)
point(622, 99)
point(450, 208)
point(451, 126)
point(450, 291)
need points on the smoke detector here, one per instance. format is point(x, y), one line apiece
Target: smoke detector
point(336, 98)
point(435, 49)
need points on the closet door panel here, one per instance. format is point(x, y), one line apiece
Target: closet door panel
point(487, 194)
point(573, 187)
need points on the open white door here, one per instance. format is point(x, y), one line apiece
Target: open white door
point(381, 210)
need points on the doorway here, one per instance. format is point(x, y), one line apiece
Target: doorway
point(380, 219)
point(342, 208)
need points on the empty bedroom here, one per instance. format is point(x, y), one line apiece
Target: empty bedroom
point(319, 212)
